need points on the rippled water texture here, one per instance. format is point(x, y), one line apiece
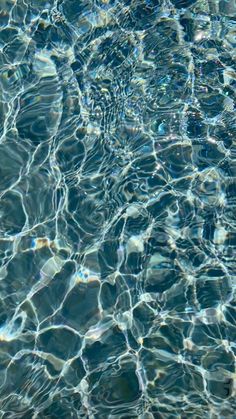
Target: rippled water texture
point(117, 209)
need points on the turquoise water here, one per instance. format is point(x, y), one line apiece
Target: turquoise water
point(117, 209)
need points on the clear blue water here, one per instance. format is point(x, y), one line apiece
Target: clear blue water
point(117, 209)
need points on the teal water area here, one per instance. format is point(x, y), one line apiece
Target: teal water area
point(117, 209)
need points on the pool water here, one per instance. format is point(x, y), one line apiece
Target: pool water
point(117, 209)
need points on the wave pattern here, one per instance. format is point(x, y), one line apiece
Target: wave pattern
point(117, 209)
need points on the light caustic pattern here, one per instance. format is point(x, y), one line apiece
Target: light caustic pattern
point(117, 209)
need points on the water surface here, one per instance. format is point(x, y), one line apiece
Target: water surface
point(117, 209)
